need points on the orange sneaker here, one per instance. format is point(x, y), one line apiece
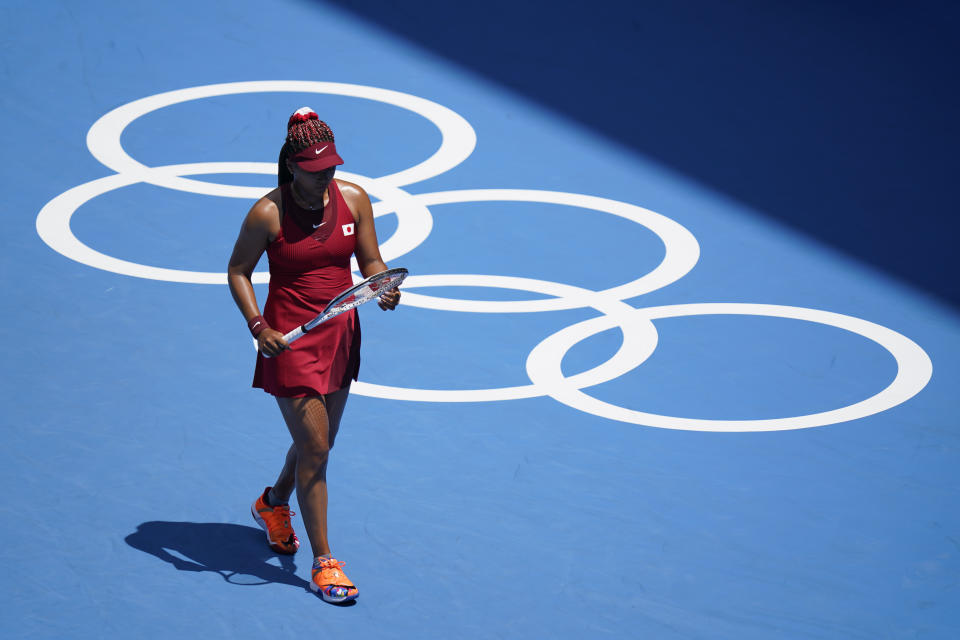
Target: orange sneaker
point(330, 582)
point(276, 522)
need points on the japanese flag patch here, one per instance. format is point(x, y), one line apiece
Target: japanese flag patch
point(348, 229)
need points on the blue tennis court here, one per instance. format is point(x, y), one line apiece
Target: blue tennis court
point(619, 399)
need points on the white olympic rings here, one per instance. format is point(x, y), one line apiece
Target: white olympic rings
point(415, 219)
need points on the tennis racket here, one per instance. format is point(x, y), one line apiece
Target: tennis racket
point(371, 288)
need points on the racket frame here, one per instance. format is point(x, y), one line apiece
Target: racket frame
point(392, 277)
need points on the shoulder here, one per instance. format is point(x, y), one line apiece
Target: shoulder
point(357, 200)
point(266, 210)
point(264, 215)
point(352, 193)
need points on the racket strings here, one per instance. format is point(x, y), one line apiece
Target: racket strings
point(363, 292)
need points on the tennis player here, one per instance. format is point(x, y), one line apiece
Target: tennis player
point(309, 226)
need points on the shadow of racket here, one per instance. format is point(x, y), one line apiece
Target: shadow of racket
point(237, 553)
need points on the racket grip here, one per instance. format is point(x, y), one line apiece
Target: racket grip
point(296, 334)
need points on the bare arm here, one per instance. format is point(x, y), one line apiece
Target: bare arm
point(260, 227)
point(367, 249)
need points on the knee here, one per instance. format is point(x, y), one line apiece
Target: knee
point(313, 453)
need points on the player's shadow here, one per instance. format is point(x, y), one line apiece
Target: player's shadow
point(237, 553)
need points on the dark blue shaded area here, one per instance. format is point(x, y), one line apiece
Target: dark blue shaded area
point(837, 118)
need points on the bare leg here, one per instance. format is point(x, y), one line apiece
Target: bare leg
point(283, 487)
point(313, 423)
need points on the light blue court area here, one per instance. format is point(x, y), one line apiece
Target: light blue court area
point(616, 402)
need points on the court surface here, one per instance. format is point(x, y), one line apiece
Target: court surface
point(615, 402)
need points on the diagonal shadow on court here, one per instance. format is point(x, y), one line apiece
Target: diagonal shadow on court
point(234, 551)
point(835, 118)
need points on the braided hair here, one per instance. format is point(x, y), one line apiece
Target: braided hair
point(304, 129)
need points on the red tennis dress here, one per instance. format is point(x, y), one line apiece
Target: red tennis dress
point(309, 266)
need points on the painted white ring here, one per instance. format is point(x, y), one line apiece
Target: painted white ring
point(103, 139)
point(53, 221)
point(914, 366)
point(682, 253)
point(640, 340)
point(914, 369)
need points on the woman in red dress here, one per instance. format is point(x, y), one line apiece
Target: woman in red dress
point(310, 225)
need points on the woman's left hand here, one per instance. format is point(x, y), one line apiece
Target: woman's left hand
point(389, 300)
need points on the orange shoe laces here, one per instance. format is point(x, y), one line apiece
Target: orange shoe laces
point(322, 566)
point(282, 513)
point(328, 563)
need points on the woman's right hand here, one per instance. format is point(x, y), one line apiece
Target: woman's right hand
point(270, 342)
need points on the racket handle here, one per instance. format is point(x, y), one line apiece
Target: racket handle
point(296, 334)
